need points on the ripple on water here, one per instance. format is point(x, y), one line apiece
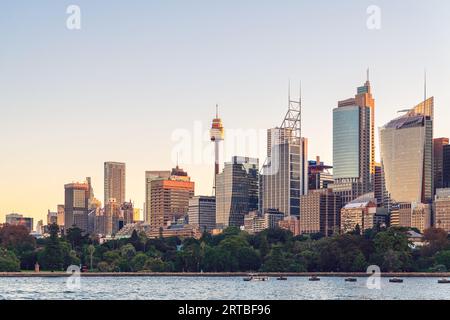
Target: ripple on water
point(216, 288)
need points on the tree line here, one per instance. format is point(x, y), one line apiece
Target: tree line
point(273, 250)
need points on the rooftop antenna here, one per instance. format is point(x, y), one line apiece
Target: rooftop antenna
point(217, 111)
point(368, 74)
point(425, 85)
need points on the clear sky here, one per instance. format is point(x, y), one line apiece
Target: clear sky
point(139, 71)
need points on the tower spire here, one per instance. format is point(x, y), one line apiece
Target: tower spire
point(217, 111)
point(368, 74)
point(425, 85)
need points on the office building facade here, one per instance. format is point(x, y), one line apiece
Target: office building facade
point(114, 181)
point(442, 209)
point(237, 191)
point(320, 212)
point(202, 212)
point(354, 145)
point(76, 202)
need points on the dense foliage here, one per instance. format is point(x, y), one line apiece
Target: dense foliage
point(273, 250)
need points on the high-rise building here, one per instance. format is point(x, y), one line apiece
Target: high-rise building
point(111, 217)
point(359, 212)
point(76, 201)
point(406, 155)
point(354, 145)
point(319, 175)
point(378, 185)
point(438, 167)
point(446, 167)
point(114, 181)
point(442, 209)
point(52, 217)
point(320, 212)
point(167, 198)
point(202, 212)
point(284, 175)
point(151, 176)
point(60, 215)
point(237, 191)
point(16, 219)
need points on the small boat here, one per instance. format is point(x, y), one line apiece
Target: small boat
point(443, 280)
point(351, 279)
point(282, 278)
point(314, 278)
point(396, 280)
point(254, 277)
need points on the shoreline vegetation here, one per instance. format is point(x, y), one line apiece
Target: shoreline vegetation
point(231, 253)
point(46, 274)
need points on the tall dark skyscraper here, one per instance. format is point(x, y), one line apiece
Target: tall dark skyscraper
point(237, 191)
point(76, 206)
point(354, 145)
point(446, 167)
point(438, 162)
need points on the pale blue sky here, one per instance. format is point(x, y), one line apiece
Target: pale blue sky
point(138, 70)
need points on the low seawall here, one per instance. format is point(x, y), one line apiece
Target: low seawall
point(222, 274)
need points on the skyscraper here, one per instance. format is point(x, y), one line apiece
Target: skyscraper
point(202, 212)
point(284, 176)
point(237, 191)
point(169, 198)
point(446, 167)
point(438, 167)
point(114, 182)
point(406, 145)
point(149, 177)
point(76, 201)
point(354, 145)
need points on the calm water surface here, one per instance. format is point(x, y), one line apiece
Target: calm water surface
point(233, 288)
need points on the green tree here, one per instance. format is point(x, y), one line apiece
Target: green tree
point(443, 258)
point(52, 257)
point(8, 261)
point(138, 261)
point(275, 262)
point(128, 252)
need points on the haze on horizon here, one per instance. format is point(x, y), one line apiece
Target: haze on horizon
point(136, 72)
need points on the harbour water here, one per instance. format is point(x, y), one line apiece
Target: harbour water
point(217, 288)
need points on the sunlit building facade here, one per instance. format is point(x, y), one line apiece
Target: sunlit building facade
point(320, 212)
point(442, 209)
point(202, 212)
point(406, 145)
point(114, 181)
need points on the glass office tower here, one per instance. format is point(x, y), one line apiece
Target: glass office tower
point(237, 191)
point(406, 145)
point(353, 145)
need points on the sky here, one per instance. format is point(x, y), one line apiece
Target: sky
point(139, 79)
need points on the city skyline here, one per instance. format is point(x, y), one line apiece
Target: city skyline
point(54, 118)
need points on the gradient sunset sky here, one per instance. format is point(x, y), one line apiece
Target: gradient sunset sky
point(138, 71)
